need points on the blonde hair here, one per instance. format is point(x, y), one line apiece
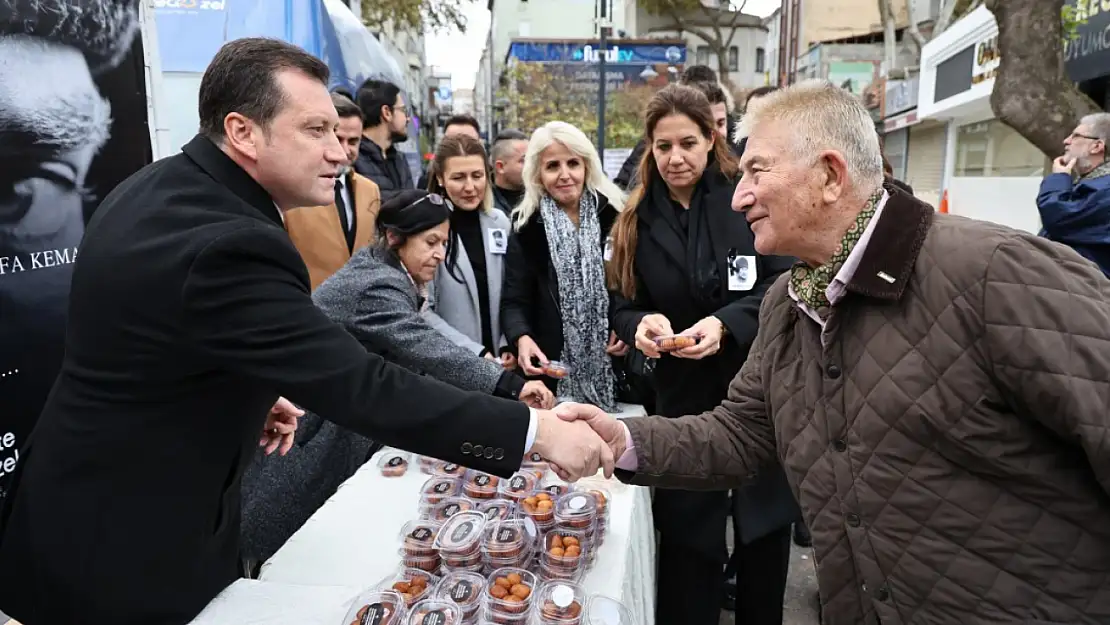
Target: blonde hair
point(833, 119)
point(458, 146)
point(579, 144)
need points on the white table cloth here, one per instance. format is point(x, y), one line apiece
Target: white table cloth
point(353, 540)
point(251, 602)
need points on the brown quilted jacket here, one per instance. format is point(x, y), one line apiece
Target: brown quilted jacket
point(949, 446)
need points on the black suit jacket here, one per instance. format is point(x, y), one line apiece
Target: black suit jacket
point(189, 315)
point(686, 387)
point(530, 296)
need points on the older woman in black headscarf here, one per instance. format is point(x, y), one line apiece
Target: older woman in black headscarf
point(380, 298)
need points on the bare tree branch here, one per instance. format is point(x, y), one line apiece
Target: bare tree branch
point(912, 29)
point(890, 36)
point(947, 10)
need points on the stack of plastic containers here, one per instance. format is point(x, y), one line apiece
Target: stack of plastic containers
point(560, 603)
point(540, 507)
point(451, 506)
point(427, 464)
point(517, 487)
point(434, 612)
point(383, 607)
point(601, 499)
point(418, 546)
point(394, 463)
point(478, 485)
point(564, 555)
point(447, 469)
point(510, 595)
point(577, 512)
point(435, 490)
point(508, 544)
point(412, 584)
point(498, 509)
point(459, 542)
point(464, 589)
point(535, 465)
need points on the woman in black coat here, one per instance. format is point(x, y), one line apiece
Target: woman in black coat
point(554, 304)
point(684, 262)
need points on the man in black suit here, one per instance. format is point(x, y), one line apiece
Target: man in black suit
point(190, 315)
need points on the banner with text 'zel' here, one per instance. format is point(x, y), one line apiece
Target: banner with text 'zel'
point(73, 125)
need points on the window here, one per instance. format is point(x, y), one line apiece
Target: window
point(895, 145)
point(734, 59)
point(702, 54)
point(993, 149)
point(760, 60)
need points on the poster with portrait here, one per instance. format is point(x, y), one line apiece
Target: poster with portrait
point(73, 125)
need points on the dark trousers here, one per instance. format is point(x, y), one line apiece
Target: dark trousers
point(689, 583)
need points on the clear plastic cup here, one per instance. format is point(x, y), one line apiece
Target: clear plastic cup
point(547, 573)
point(576, 511)
point(555, 487)
point(477, 567)
point(435, 612)
point(444, 510)
point(430, 563)
point(565, 550)
point(675, 342)
point(540, 507)
point(383, 607)
point(509, 592)
point(601, 496)
point(519, 486)
point(460, 539)
point(506, 539)
point(412, 584)
point(537, 470)
point(498, 509)
point(602, 610)
point(464, 589)
point(448, 469)
point(426, 464)
point(560, 603)
point(436, 489)
point(418, 538)
point(557, 370)
point(394, 462)
point(478, 485)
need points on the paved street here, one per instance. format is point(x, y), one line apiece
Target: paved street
point(801, 592)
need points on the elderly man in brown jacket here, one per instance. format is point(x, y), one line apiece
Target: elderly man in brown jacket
point(937, 389)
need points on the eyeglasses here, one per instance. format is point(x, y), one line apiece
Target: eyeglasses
point(1076, 135)
point(433, 198)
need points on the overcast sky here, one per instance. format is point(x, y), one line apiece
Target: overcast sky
point(459, 54)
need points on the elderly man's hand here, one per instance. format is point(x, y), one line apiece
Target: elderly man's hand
point(537, 395)
point(281, 427)
point(610, 429)
point(1063, 165)
point(573, 449)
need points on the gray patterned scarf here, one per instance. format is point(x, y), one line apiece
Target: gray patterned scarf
point(583, 300)
point(1098, 172)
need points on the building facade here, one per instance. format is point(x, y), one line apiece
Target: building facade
point(772, 23)
point(990, 172)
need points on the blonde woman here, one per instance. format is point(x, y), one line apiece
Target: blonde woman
point(555, 305)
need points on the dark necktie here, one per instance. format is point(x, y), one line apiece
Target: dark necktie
point(341, 206)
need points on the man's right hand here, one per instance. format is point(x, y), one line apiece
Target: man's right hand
point(1063, 165)
point(650, 327)
point(574, 449)
point(611, 430)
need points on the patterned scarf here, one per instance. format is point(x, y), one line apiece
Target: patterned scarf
point(810, 283)
point(1097, 172)
point(583, 301)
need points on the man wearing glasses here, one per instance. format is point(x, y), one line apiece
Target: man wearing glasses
point(385, 124)
point(1074, 200)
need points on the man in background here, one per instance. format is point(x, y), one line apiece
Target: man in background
point(385, 124)
point(455, 125)
point(1074, 201)
point(507, 160)
point(326, 236)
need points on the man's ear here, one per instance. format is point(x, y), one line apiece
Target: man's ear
point(241, 134)
point(834, 169)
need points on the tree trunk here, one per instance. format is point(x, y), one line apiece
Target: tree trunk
point(890, 37)
point(722, 66)
point(1032, 93)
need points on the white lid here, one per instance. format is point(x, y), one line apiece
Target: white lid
point(562, 596)
point(577, 503)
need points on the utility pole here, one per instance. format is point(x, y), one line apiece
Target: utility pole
point(603, 31)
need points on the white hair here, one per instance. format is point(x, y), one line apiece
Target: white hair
point(823, 116)
point(1099, 123)
point(579, 144)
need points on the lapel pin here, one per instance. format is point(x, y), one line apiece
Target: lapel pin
point(886, 276)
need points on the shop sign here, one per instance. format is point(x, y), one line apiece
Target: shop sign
point(987, 58)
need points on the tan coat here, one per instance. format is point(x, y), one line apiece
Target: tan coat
point(318, 234)
point(949, 447)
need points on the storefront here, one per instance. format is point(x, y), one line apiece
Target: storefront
point(1087, 56)
point(989, 171)
point(914, 147)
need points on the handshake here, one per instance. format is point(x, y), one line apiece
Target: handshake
point(579, 439)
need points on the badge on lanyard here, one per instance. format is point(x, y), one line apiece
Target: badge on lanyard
point(741, 272)
point(608, 253)
point(498, 240)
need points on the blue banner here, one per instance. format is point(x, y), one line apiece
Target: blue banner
point(617, 53)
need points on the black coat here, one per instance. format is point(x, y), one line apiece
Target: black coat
point(530, 297)
point(389, 170)
point(189, 315)
point(693, 386)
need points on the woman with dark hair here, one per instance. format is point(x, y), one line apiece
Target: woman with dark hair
point(683, 262)
point(380, 297)
point(466, 293)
